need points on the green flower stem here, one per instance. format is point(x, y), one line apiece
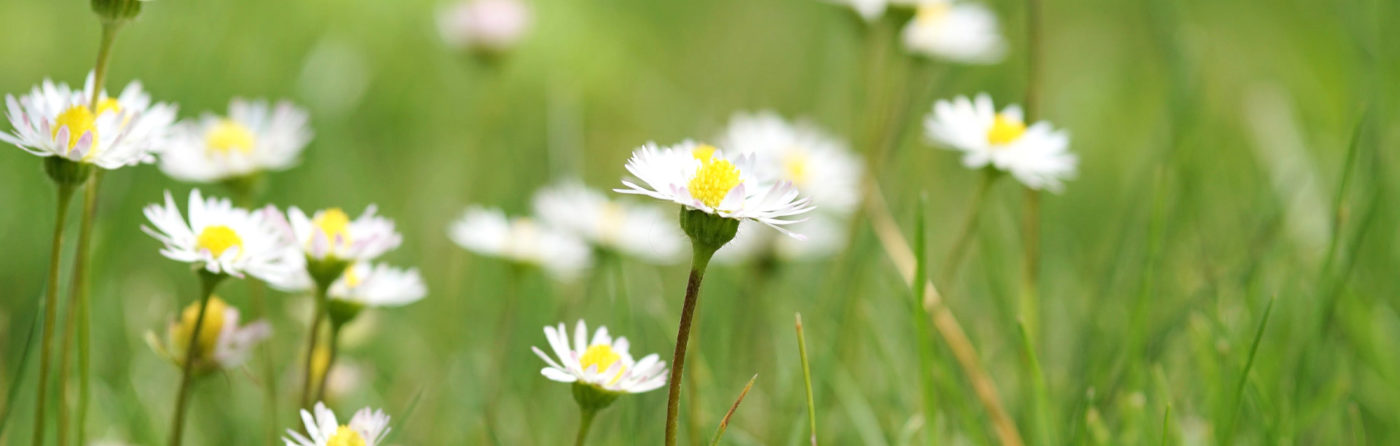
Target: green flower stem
point(312, 336)
point(969, 227)
point(76, 318)
point(585, 422)
point(50, 304)
point(330, 361)
point(700, 261)
point(806, 380)
point(177, 426)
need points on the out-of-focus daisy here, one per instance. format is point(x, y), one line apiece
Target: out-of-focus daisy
point(367, 427)
point(1037, 155)
point(644, 232)
point(330, 234)
point(702, 178)
point(379, 285)
point(55, 120)
point(491, 26)
point(489, 232)
point(957, 31)
point(601, 361)
point(254, 137)
point(821, 166)
point(220, 238)
point(755, 242)
point(222, 343)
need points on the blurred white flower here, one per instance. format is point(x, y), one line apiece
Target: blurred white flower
point(824, 233)
point(644, 232)
point(484, 25)
point(367, 428)
point(822, 167)
point(331, 234)
point(1038, 155)
point(701, 177)
point(602, 362)
point(220, 238)
point(960, 32)
point(379, 285)
point(54, 120)
point(489, 232)
point(255, 137)
point(221, 344)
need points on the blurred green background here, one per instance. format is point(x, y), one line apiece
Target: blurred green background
point(1213, 138)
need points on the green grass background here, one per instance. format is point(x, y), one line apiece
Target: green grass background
point(1213, 138)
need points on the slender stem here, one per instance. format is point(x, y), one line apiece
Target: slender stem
point(65, 195)
point(330, 361)
point(968, 228)
point(75, 319)
point(924, 340)
point(258, 304)
point(104, 55)
point(1030, 266)
point(208, 281)
point(311, 338)
point(806, 380)
point(1033, 59)
point(700, 261)
point(585, 422)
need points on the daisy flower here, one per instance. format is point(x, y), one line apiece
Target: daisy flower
point(960, 32)
point(378, 285)
point(368, 428)
point(330, 234)
point(484, 25)
point(602, 362)
point(820, 166)
point(489, 232)
point(1038, 155)
point(222, 343)
point(643, 232)
point(703, 178)
point(54, 120)
point(220, 238)
point(254, 137)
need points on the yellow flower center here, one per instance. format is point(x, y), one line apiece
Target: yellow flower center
point(217, 239)
point(714, 179)
point(108, 105)
point(1005, 130)
point(79, 120)
point(610, 222)
point(228, 135)
point(932, 12)
point(602, 356)
point(345, 436)
point(208, 332)
point(795, 164)
point(352, 279)
point(334, 223)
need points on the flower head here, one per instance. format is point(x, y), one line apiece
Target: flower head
point(1037, 155)
point(484, 25)
point(378, 285)
point(703, 178)
point(330, 234)
point(367, 428)
point(643, 232)
point(820, 166)
point(523, 240)
point(221, 344)
point(54, 120)
point(601, 362)
point(254, 137)
point(960, 32)
point(220, 238)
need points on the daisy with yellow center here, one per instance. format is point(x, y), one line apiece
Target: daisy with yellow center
point(332, 234)
point(703, 178)
point(220, 238)
point(221, 345)
point(54, 120)
point(963, 32)
point(599, 361)
point(368, 427)
point(1036, 154)
point(254, 137)
point(630, 229)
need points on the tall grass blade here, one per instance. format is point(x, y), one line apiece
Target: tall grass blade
point(807, 379)
point(724, 422)
point(1244, 375)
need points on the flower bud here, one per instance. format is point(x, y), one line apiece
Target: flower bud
point(67, 172)
point(706, 229)
point(116, 11)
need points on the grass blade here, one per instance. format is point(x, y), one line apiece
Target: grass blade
point(18, 378)
point(921, 319)
point(807, 379)
point(1244, 375)
point(1039, 392)
point(724, 423)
